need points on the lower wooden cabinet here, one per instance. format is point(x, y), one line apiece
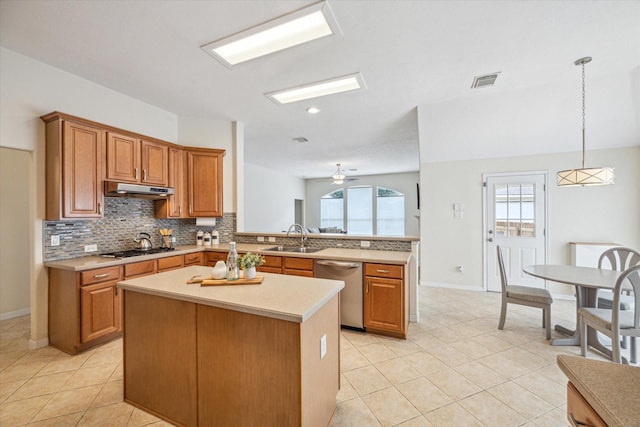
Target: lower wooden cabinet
point(212, 257)
point(100, 311)
point(385, 299)
point(170, 263)
point(193, 259)
point(297, 266)
point(579, 412)
point(272, 264)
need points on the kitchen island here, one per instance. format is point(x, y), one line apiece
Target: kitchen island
point(264, 354)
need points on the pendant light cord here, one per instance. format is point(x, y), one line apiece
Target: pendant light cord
point(584, 162)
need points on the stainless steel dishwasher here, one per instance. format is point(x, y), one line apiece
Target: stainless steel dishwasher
point(351, 298)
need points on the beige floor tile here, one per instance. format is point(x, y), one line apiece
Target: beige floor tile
point(538, 384)
point(63, 421)
point(426, 341)
point(142, 418)
point(553, 418)
point(359, 338)
point(525, 358)
point(424, 362)
point(420, 421)
point(344, 343)
point(452, 415)
point(471, 349)
point(20, 371)
point(112, 392)
point(21, 412)
point(366, 380)
point(506, 367)
point(85, 376)
point(352, 359)
point(114, 415)
point(423, 394)
point(68, 402)
point(118, 373)
point(377, 352)
point(493, 343)
point(390, 407)
point(64, 363)
point(480, 375)
point(491, 411)
point(520, 399)
point(397, 370)
point(10, 356)
point(38, 386)
point(45, 354)
point(108, 354)
point(449, 355)
point(346, 392)
point(453, 384)
point(401, 347)
point(354, 413)
point(8, 388)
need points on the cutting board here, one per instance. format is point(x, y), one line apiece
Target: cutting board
point(208, 281)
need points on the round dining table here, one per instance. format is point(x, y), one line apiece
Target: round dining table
point(587, 281)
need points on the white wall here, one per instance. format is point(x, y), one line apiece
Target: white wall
point(402, 182)
point(29, 89)
point(269, 199)
point(14, 237)
point(583, 214)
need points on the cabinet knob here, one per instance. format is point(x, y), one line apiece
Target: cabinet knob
point(100, 276)
point(100, 208)
point(382, 271)
point(136, 173)
point(144, 174)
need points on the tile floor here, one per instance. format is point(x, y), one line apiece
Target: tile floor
point(455, 369)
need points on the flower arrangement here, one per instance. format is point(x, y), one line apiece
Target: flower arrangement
point(250, 260)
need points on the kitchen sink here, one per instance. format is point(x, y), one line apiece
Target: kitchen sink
point(293, 249)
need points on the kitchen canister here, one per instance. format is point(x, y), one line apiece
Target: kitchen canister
point(207, 239)
point(215, 237)
point(199, 237)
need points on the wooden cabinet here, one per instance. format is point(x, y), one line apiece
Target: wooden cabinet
point(131, 159)
point(297, 266)
point(204, 182)
point(212, 257)
point(579, 409)
point(139, 269)
point(272, 264)
point(85, 308)
point(74, 158)
point(170, 263)
point(385, 299)
point(173, 206)
point(193, 259)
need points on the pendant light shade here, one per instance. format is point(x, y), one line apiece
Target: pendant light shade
point(585, 176)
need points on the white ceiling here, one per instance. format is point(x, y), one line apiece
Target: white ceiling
point(410, 53)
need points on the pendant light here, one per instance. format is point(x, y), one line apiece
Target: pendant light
point(338, 177)
point(585, 176)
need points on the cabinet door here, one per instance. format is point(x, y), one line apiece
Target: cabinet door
point(204, 183)
point(155, 163)
point(172, 206)
point(83, 154)
point(123, 158)
point(100, 311)
point(170, 263)
point(383, 308)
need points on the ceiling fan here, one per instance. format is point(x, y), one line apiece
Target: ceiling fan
point(339, 176)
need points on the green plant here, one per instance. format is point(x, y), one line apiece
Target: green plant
point(250, 260)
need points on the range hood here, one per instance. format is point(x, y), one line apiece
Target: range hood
point(127, 189)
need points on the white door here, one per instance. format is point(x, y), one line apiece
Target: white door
point(515, 220)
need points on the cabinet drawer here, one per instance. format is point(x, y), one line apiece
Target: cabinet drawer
point(298, 263)
point(99, 275)
point(193, 259)
point(264, 269)
point(580, 409)
point(141, 268)
point(304, 273)
point(213, 257)
point(272, 261)
point(170, 262)
point(384, 270)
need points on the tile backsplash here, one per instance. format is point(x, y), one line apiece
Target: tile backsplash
point(123, 219)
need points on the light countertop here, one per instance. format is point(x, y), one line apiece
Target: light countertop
point(612, 389)
point(290, 298)
point(96, 261)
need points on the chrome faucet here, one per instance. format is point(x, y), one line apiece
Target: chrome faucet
point(303, 235)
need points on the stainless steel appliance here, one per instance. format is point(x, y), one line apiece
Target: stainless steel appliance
point(126, 189)
point(135, 252)
point(351, 297)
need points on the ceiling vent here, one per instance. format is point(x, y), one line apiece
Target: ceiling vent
point(300, 139)
point(485, 81)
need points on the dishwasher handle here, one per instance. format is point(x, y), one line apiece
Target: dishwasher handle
point(331, 263)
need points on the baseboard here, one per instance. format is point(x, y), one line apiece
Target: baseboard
point(414, 318)
point(17, 313)
point(36, 344)
point(450, 286)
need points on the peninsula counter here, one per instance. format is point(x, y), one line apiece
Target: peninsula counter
point(264, 354)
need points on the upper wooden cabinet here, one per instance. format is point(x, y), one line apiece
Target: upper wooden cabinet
point(173, 206)
point(74, 175)
point(204, 182)
point(131, 159)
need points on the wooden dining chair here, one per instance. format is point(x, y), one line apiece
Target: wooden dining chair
point(619, 259)
point(614, 322)
point(524, 295)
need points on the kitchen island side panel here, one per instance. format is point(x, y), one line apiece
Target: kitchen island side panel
point(160, 356)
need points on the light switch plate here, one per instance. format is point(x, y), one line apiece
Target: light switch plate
point(91, 248)
point(365, 244)
point(323, 346)
point(260, 239)
point(55, 240)
point(272, 239)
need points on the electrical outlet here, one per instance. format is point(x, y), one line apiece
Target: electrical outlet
point(272, 239)
point(365, 244)
point(459, 268)
point(260, 239)
point(91, 248)
point(55, 240)
point(323, 346)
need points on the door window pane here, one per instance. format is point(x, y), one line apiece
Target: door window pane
point(514, 210)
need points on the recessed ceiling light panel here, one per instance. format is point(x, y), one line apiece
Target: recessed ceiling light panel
point(302, 26)
point(317, 89)
point(485, 81)
point(313, 110)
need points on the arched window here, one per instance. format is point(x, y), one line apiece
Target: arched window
point(356, 210)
